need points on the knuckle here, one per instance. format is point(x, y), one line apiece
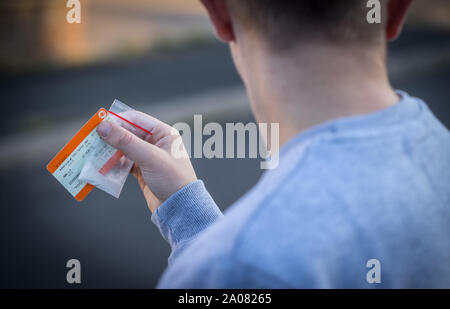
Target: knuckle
point(124, 139)
point(174, 132)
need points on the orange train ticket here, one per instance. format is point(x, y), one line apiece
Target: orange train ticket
point(68, 163)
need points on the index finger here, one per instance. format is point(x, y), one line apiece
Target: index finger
point(151, 124)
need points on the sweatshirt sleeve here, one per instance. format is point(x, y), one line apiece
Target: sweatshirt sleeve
point(184, 215)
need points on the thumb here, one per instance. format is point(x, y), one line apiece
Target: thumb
point(132, 146)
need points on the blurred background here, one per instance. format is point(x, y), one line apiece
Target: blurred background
point(158, 56)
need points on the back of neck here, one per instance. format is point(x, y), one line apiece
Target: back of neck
point(310, 85)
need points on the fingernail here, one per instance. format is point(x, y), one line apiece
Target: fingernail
point(103, 129)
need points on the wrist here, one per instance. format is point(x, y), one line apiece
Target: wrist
point(186, 213)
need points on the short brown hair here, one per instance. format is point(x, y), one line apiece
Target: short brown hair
point(285, 22)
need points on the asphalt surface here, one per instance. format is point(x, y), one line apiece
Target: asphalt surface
point(39, 100)
point(42, 227)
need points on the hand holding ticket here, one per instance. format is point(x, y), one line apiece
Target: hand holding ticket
point(87, 161)
point(161, 162)
point(102, 153)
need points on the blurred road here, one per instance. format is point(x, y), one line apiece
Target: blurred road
point(42, 226)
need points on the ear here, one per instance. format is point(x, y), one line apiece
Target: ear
point(396, 11)
point(220, 17)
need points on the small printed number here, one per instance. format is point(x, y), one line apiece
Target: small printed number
point(246, 299)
